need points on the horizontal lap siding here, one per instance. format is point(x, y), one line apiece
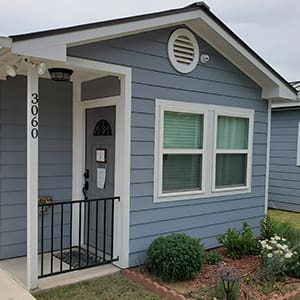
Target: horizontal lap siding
point(218, 82)
point(284, 191)
point(55, 155)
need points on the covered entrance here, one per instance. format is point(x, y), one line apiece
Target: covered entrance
point(90, 225)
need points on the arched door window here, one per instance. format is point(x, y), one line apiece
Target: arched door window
point(102, 128)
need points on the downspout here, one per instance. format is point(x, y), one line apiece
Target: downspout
point(268, 155)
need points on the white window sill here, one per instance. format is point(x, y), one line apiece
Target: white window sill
point(196, 195)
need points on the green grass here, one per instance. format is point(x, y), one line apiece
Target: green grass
point(111, 287)
point(285, 216)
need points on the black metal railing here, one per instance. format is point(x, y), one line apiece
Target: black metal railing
point(75, 235)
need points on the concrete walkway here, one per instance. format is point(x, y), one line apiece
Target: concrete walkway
point(11, 290)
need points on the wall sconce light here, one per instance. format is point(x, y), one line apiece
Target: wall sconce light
point(11, 70)
point(41, 68)
point(228, 281)
point(60, 74)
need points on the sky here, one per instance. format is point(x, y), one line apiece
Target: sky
point(269, 27)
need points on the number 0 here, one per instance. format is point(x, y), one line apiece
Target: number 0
point(34, 133)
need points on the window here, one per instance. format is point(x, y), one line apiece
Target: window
point(182, 151)
point(231, 152)
point(201, 150)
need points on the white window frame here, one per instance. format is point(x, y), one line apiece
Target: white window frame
point(235, 114)
point(210, 113)
point(298, 146)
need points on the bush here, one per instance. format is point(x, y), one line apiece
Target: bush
point(267, 227)
point(213, 257)
point(292, 235)
point(276, 258)
point(239, 244)
point(175, 257)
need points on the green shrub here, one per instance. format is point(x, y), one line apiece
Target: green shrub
point(213, 257)
point(276, 258)
point(267, 227)
point(292, 235)
point(175, 257)
point(239, 244)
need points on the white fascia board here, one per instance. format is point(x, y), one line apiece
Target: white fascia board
point(5, 42)
point(286, 105)
point(58, 43)
point(222, 41)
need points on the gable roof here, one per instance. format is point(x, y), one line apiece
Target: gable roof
point(53, 44)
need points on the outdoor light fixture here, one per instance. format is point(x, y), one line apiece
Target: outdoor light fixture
point(41, 69)
point(60, 74)
point(228, 282)
point(11, 70)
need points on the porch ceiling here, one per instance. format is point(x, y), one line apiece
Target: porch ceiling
point(7, 58)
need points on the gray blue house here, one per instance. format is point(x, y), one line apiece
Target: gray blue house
point(284, 190)
point(117, 132)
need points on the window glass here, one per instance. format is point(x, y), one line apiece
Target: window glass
point(231, 170)
point(181, 172)
point(232, 133)
point(183, 130)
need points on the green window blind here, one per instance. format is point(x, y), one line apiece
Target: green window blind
point(183, 130)
point(181, 172)
point(232, 133)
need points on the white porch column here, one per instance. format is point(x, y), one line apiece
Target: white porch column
point(78, 162)
point(32, 177)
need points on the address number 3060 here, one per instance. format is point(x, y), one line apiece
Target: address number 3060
point(34, 115)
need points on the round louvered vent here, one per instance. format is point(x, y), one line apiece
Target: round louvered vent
point(183, 50)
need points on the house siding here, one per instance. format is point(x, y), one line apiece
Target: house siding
point(218, 82)
point(55, 155)
point(284, 188)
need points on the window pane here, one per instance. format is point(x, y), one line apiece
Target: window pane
point(231, 170)
point(183, 130)
point(232, 133)
point(181, 172)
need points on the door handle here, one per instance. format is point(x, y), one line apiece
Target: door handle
point(85, 188)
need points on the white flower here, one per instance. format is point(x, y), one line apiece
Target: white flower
point(277, 238)
point(288, 255)
point(269, 255)
point(283, 239)
point(269, 247)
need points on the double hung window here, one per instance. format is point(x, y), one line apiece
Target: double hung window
point(201, 150)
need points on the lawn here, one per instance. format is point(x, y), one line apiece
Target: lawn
point(111, 287)
point(286, 216)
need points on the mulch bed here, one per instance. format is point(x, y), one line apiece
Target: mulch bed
point(246, 269)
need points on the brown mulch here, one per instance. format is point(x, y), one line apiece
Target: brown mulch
point(246, 269)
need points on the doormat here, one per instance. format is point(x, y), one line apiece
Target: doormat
point(72, 255)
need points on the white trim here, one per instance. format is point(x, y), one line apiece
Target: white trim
point(55, 46)
point(183, 67)
point(32, 184)
point(210, 113)
point(298, 146)
point(268, 155)
point(249, 114)
point(235, 52)
point(58, 43)
point(287, 104)
point(122, 158)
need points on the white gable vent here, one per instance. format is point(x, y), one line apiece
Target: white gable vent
point(183, 50)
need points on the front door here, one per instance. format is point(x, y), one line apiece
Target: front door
point(99, 177)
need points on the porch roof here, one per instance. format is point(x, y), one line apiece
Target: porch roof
point(53, 44)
